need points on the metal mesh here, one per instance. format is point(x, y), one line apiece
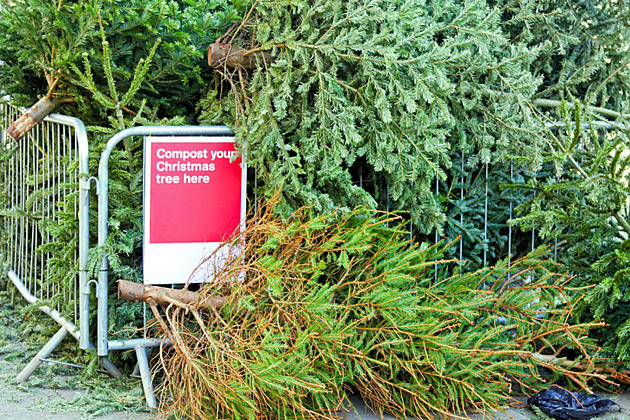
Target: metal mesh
point(39, 177)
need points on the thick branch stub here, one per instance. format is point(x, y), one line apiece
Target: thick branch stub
point(32, 117)
point(233, 56)
point(137, 292)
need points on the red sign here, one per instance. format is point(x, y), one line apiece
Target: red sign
point(195, 192)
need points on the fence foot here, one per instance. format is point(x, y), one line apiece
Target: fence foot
point(136, 369)
point(42, 354)
point(145, 374)
point(111, 368)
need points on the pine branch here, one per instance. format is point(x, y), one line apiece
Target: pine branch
point(551, 103)
point(83, 85)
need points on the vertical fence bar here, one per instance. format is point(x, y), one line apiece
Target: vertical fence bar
point(437, 238)
point(361, 176)
point(63, 142)
point(509, 225)
point(45, 213)
point(534, 230)
point(533, 239)
point(22, 226)
point(411, 223)
point(77, 211)
point(485, 221)
point(255, 190)
point(461, 214)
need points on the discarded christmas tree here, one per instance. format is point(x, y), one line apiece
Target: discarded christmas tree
point(343, 302)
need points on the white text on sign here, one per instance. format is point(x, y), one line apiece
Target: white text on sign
point(184, 166)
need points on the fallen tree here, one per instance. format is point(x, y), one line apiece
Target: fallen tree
point(341, 303)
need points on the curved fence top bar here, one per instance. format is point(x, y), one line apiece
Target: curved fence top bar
point(81, 137)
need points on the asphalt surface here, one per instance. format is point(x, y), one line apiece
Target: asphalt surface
point(38, 403)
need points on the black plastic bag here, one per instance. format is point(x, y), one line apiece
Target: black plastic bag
point(564, 405)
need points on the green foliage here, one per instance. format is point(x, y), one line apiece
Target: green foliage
point(610, 299)
point(342, 302)
point(42, 43)
point(583, 204)
point(367, 103)
point(587, 55)
point(464, 200)
point(369, 91)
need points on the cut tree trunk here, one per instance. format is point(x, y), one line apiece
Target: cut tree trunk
point(137, 292)
point(32, 117)
point(233, 56)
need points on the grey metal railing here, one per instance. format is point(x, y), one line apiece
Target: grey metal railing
point(104, 343)
point(43, 175)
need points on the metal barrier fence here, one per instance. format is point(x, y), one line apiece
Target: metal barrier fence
point(42, 179)
point(140, 345)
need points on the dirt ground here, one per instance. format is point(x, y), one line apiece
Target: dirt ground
point(50, 404)
point(19, 403)
point(55, 397)
point(58, 393)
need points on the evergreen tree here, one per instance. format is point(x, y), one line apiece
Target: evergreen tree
point(368, 102)
point(44, 42)
point(584, 206)
point(364, 102)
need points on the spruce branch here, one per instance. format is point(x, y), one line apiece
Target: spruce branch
point(551, 103)
point(82, 84)
point(244, 21)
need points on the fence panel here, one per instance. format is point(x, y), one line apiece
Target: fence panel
point(105, 343)
point(44, 214)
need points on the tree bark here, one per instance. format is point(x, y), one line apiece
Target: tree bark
point(233, 56)
point(32, 117)
point(137, 292)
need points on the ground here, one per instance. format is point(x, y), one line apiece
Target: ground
point(55, 392)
